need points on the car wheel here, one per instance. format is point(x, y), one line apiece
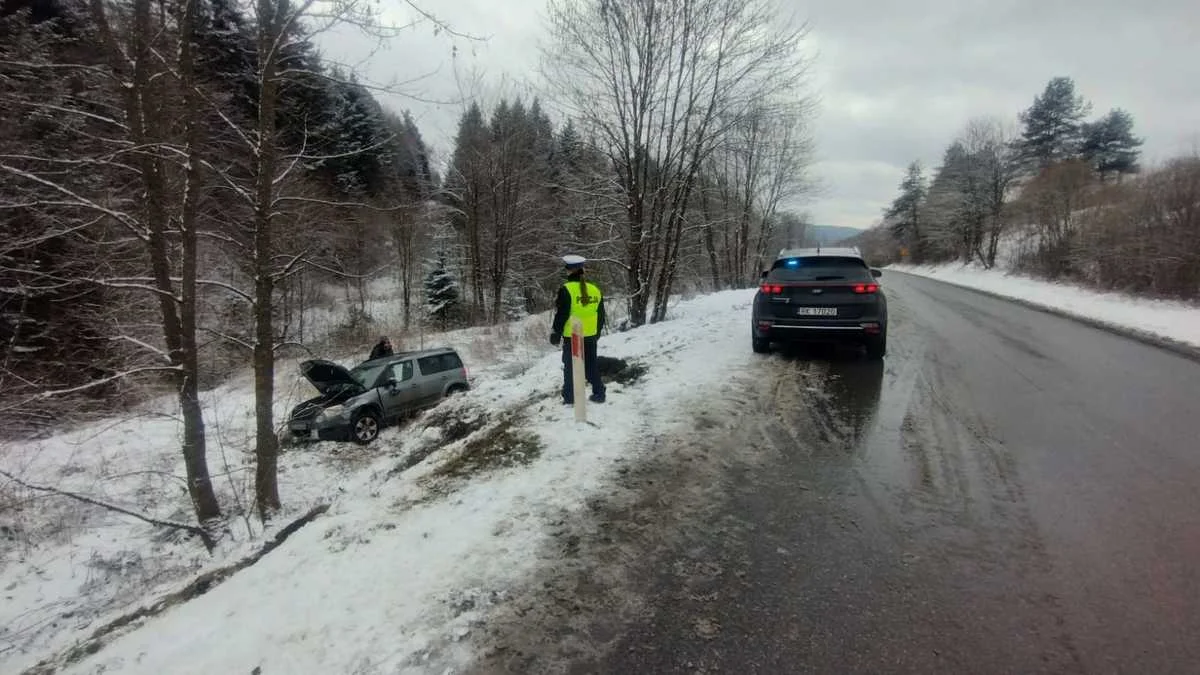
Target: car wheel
point(456, 389)
point(365, 427)
point(761, 345)
point(877, 347)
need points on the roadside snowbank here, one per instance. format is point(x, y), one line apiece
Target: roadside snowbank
point(407, 561)
point(1176, 321)
point(67, 567)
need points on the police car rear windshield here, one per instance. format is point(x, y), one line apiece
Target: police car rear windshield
point(825, 268)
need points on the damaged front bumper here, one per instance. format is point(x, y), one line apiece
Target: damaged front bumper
point(331, 424)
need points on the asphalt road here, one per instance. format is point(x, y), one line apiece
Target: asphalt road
point(1009, 492)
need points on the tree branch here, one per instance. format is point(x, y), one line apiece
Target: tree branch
point(10, 247)
point(79, 201)
point(343, 205)
point(293, 343)
point(440, 23)
point(209, 542)
point(290, 267)
point(227, 287)
point(228, 338)
point(75, 111)
point(149, 347)
point(96, 383)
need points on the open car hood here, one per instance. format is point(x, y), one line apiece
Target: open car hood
point(328, 377)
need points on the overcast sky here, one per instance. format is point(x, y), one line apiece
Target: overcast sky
point(896, 80)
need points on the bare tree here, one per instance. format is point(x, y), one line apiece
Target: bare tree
point(467, 192)
point(518, 175)
point(659, 83)
point(410, 223)
point(989, 142)
point(148, 64)
point(281, 25)
point(408, 227)
point(159, 149)
point(789, 154)
point(966, 206)
point(1143, 238)
point(759, 165)
point(1054, 201)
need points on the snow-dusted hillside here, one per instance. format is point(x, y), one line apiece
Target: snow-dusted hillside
point(425, 526)
point(65, 566)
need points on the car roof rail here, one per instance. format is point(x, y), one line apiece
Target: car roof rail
point(433, 350)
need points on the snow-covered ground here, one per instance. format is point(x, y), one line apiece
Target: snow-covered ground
point(428, 526)
point(67, 567)
point(1176, 321)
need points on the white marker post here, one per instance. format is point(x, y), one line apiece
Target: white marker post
point(578, 381)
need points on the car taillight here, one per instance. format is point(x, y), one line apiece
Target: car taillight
point(866, 288)
point(769, 289)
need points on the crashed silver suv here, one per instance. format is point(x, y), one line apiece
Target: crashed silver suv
point(355, 404)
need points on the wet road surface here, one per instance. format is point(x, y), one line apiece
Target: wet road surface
point(1008, 492)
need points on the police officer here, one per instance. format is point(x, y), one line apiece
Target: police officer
point(579, 299)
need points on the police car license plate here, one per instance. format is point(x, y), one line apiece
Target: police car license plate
point(816, 311)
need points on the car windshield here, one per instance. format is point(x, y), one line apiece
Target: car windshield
point(819, 269)
point(368, 374)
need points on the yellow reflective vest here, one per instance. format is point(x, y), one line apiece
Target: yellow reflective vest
point(588, 313)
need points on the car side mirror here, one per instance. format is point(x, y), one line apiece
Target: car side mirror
point(764, 274)
point(876, 273)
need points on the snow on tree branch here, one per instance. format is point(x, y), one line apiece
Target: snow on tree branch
point(206, 537)
point(230, 288)
point(144, 345)
point(227, 337)
point(77, 199)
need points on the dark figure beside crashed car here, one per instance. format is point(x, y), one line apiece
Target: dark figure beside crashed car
point(579, 299)
point(381, 349)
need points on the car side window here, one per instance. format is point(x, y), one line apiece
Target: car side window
point(402, 371)
point(439, 363)
point(431, 365)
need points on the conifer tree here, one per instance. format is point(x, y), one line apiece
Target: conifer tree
point(1053, 125)
point(1109, 144)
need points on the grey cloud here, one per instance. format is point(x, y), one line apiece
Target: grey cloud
point(507, 49)
point(896, 80)
point(899, 80)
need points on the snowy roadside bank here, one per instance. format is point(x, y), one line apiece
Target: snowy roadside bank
point(1175, 325)
point(412, 554)
point(68, 568)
